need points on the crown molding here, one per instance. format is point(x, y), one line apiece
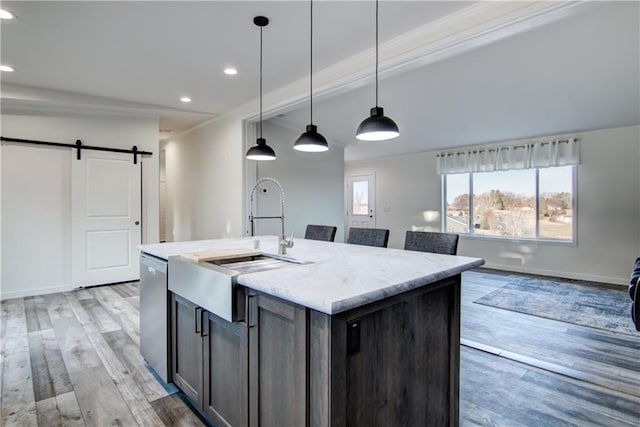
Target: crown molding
point(474, 26)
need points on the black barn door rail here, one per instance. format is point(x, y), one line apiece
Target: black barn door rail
point(79, 146)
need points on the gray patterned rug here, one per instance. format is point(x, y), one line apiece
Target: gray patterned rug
point(591, 306)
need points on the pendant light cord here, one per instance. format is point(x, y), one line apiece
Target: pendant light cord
point(376, 53)
point(311, 68)
point(260, 82)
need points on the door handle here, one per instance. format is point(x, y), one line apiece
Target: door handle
point(198, 320)
point(137, 223)
point(252, 310)
point(371, 213)
point(204, 323)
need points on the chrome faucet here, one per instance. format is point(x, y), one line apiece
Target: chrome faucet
point(283, 241)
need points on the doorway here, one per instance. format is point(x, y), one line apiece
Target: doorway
point(361, 201)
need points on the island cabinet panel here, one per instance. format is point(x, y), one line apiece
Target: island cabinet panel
point(210, 362)
point(186, 348)
point(391, 362)
point(394, 362)
point(225, 371)
point(277, 362)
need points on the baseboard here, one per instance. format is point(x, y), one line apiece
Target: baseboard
point(34, 292)
point(622, 281)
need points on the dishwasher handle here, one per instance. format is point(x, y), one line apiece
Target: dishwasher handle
point(153, 265)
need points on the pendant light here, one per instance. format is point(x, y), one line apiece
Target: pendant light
point(377, 127)
point(261, 151)
point(311, 140)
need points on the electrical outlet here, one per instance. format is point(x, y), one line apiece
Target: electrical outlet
point(353, 337)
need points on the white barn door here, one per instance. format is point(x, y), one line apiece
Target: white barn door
point(106, 216)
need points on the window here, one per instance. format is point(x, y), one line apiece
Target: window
point(360, 198)
point(535, 203)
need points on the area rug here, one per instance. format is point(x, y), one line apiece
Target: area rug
point(584, 305)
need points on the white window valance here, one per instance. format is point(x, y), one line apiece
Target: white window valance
point(540, 154)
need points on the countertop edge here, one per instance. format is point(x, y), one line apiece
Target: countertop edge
point(337, 307)
point(393, 290)
point(329, 306)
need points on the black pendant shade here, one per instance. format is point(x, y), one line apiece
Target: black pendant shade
point(377, 127)
point(311, 141)
point(261, 151)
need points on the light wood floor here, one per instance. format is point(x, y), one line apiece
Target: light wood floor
point(72, 359)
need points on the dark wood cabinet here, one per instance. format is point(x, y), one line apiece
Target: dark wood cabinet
point(399, 367)
point(225, 371)
point(277, 362)
point(186, 347)
point(210, 362)
point(390, 362)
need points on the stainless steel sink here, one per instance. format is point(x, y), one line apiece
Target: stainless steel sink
point(253, 264)
point(212, 284)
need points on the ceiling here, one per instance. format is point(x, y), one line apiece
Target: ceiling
point(576, 74)
point(572, 74)
point(153, 52)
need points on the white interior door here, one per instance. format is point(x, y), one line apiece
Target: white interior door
point(361, 202)
point(105, 209)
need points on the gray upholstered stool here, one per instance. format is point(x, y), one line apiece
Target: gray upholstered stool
point(369, 237)
point(428, 241)
point(326, 233)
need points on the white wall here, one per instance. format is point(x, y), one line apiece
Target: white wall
point(36, 202)
point(313, 185)
point(608, 236)
point(407, 193)
point(205, 182)
point(218, 176)
point(178, 214)
point(162, 201)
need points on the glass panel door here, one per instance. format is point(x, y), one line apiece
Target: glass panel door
point(361, 202)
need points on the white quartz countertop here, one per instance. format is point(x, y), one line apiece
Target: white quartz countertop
point(338, 276)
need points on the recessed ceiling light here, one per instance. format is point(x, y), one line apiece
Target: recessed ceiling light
point(6, 68)
point(185, 99)
point(230, 71)
point(4, 14)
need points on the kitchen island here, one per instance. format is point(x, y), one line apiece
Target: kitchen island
point(353, 335)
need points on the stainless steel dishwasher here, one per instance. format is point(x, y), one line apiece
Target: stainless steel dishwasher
point(154, 318)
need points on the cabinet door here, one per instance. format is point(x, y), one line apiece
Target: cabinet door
point(186, 327)
point(277, 362)
point(225, 371)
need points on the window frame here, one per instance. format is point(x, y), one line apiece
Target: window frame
point(537, 239)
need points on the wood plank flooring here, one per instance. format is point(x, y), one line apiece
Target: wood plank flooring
point(72, 359)
point(519, 369)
